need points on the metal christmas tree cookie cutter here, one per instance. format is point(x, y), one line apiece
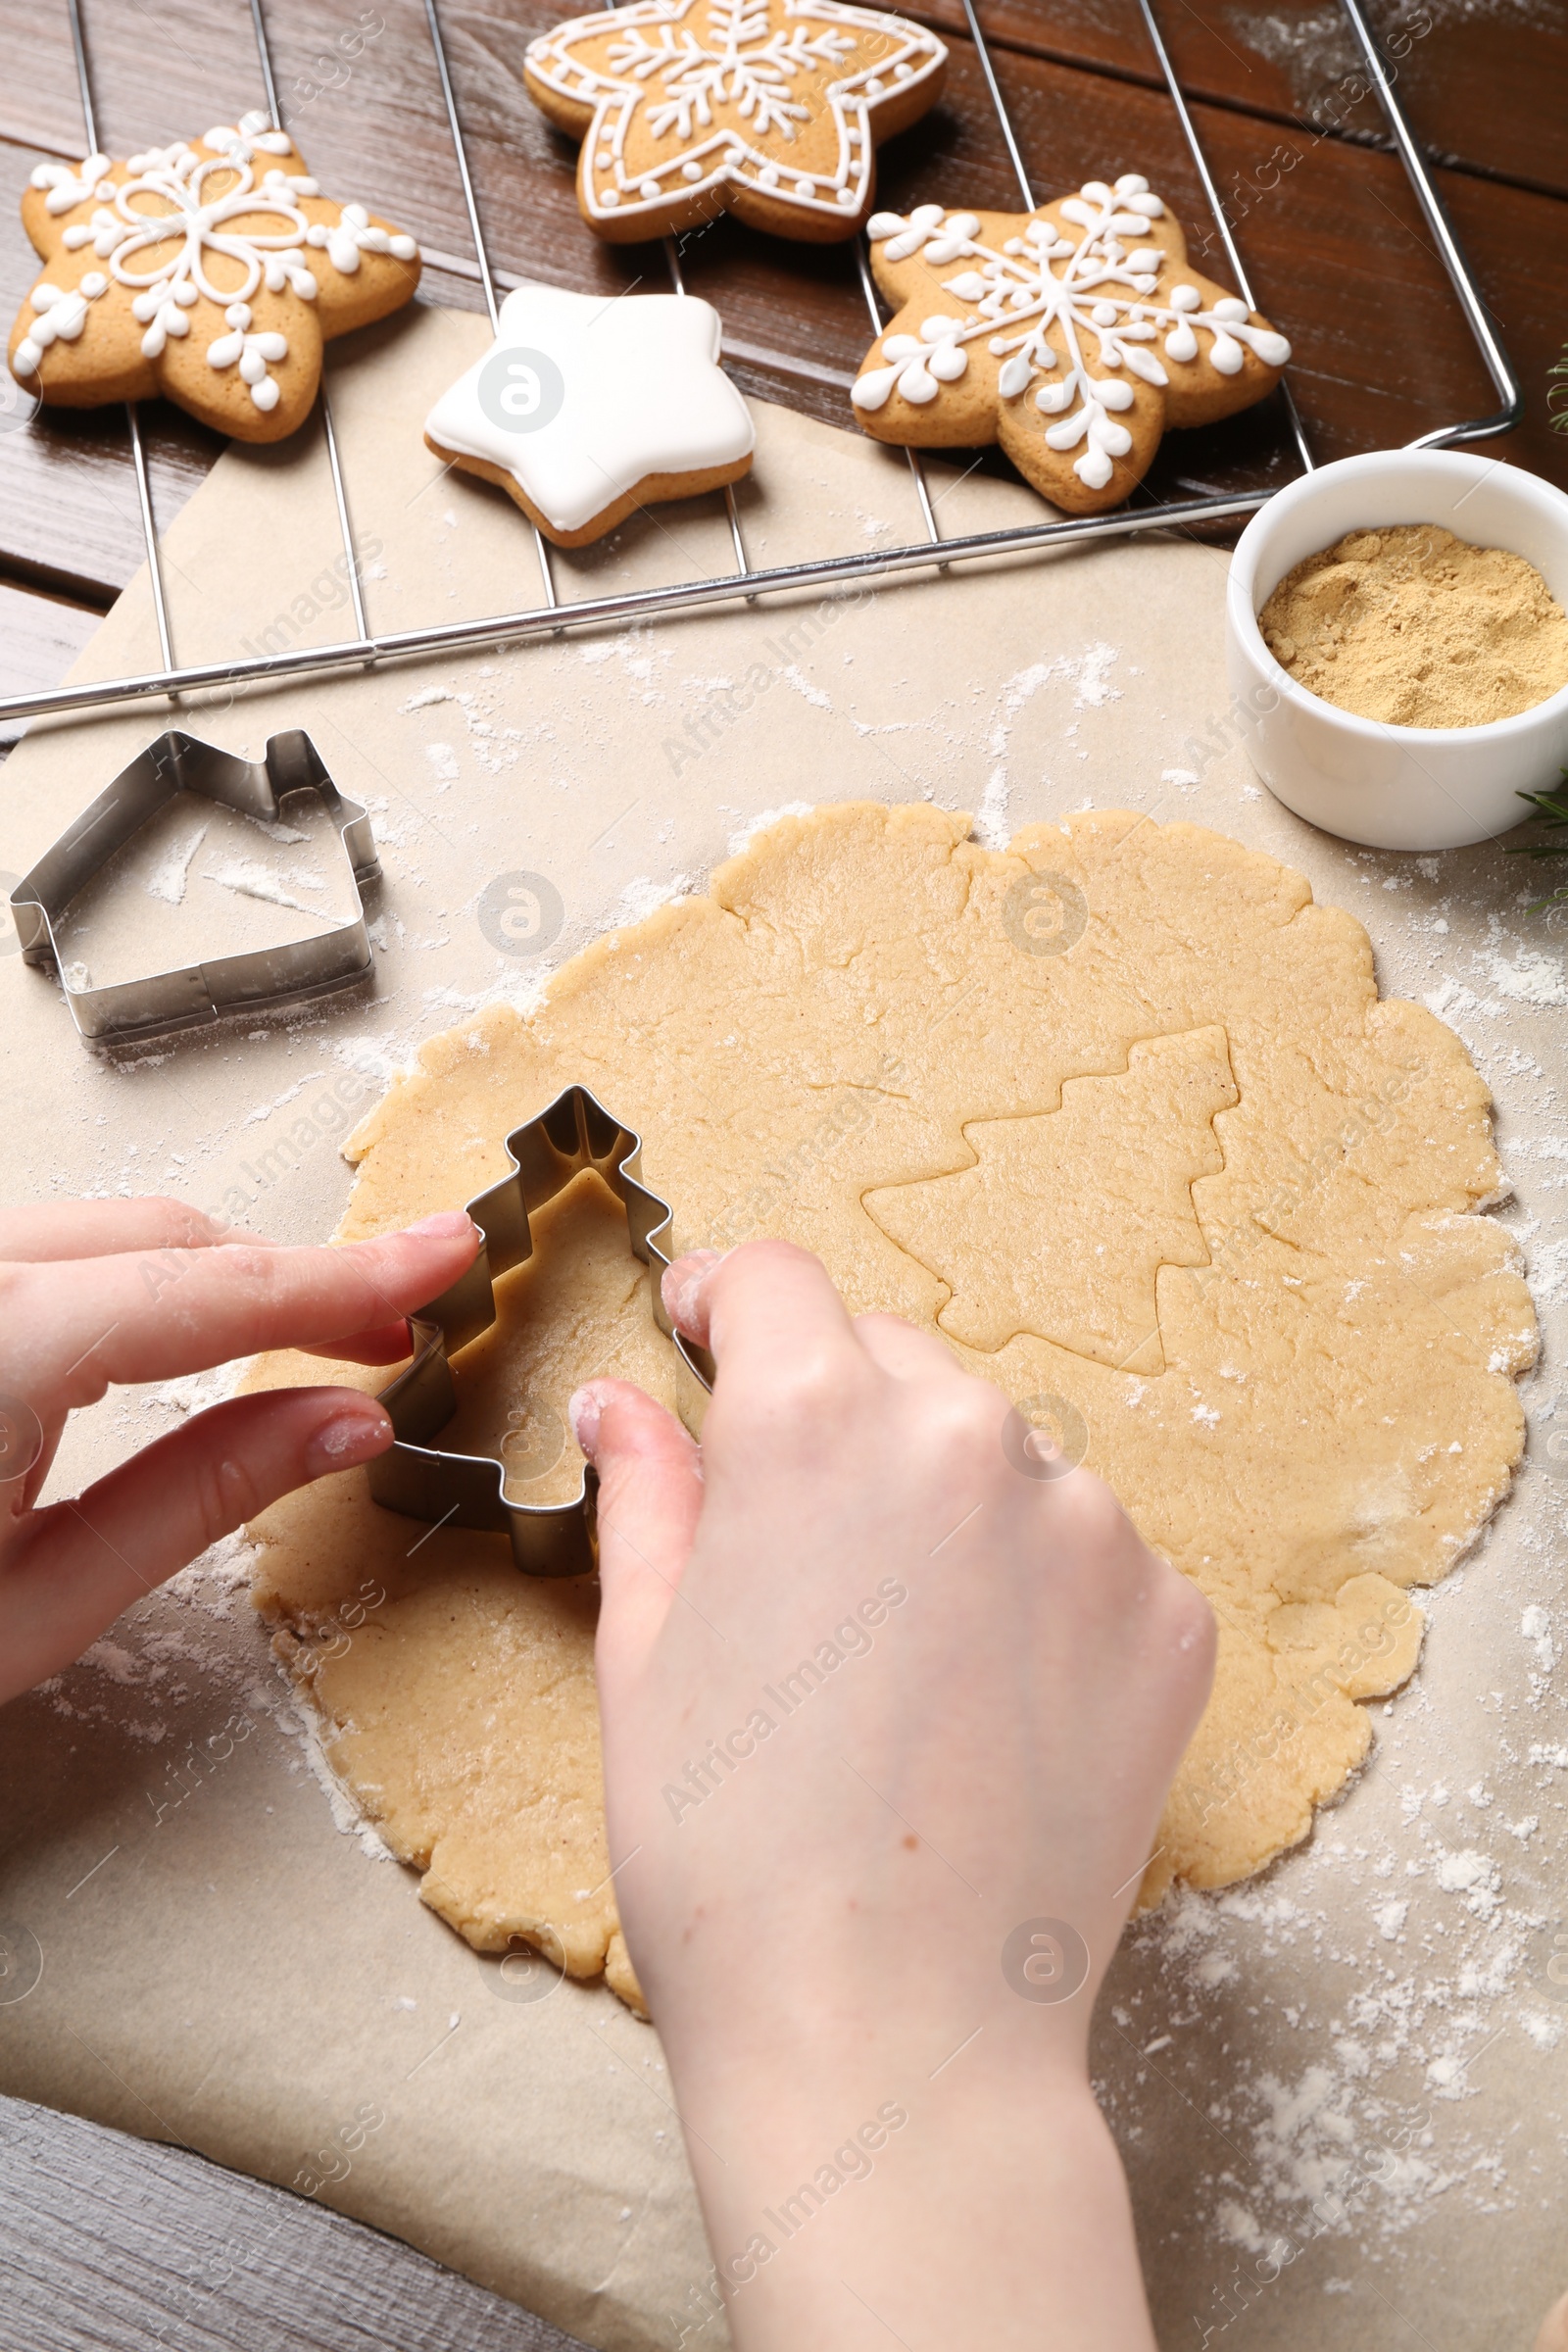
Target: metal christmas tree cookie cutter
point(194, 993)
point(464, 1489)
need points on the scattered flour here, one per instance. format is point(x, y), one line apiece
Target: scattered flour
point(167, 881)
point(1535, 1627)
point(295, 1716)
point(643, 894)
point(1530, 979)
point(290, 1093)
point(1547, 1273)
point(1473, 1874)
point(108, 1657)
point(1089, 672)
point(754, 825)
point(793, 675)
point(249, 880)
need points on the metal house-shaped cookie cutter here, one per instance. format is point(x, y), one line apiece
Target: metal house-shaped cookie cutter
point(423, 1481)
point(193, 993)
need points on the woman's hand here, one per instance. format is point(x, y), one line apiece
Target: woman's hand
point(891, 1703)
point(96, 1293)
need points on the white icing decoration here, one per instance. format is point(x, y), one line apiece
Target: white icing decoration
point(254, 136)
point(252, 354)
point(61, 315)
point(641, 392)
point(123, 232)
point(166, 318)
point(1042, 281)
point(729, 86)
point(64, 187)
point(921, 364)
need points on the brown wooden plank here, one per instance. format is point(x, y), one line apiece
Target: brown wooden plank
point(1338, 249)
point(69, 515)
point(39, 639)
point(126, 2245)
point(70, 518)
point(1338, 254)
point(1486, 93)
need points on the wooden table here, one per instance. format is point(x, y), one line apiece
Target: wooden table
point(1325, 216)
point(108, 2242)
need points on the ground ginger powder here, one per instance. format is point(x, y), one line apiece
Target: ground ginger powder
point(1417, 628)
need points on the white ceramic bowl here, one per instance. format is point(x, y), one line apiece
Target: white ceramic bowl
point(1397, 788)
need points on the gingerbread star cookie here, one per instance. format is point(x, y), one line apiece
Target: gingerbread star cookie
point(770, 109)
point(210, 273)
point(1073, 336)
point(584, 410)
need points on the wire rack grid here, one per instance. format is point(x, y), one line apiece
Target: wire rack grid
point(747, 582)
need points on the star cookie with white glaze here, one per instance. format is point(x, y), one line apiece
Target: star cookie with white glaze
point(1073, 336)
point(769, 109)
point(213, 273)
point(584, 410)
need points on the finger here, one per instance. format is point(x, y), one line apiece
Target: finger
point(908, 1354)
point(760, 1310)
point(78, 1328)
point(66, 1229)
point(79, 1564)
point(650, 1497)
point(389, 1344)
point(682, 1287)
point(1553, 2336)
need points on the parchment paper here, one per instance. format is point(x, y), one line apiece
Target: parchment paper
point(1375, 2025)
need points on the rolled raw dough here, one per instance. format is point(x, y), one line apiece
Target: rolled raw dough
point(1120, 1114)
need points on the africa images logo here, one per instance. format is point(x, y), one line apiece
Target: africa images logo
point(520, 391)
point(1045, 914)
point(521, 914)
point(1045, 1960)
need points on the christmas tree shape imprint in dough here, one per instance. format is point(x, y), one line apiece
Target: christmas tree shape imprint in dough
point(1060, 1226)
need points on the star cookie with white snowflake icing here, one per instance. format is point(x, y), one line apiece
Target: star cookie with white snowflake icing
point(1073, 336)
point(769, 109)
point(584, 410)
point(212, 273)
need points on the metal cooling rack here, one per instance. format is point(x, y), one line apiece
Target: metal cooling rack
point(746, 582)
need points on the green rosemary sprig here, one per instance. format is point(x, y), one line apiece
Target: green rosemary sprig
point(1552, 808)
